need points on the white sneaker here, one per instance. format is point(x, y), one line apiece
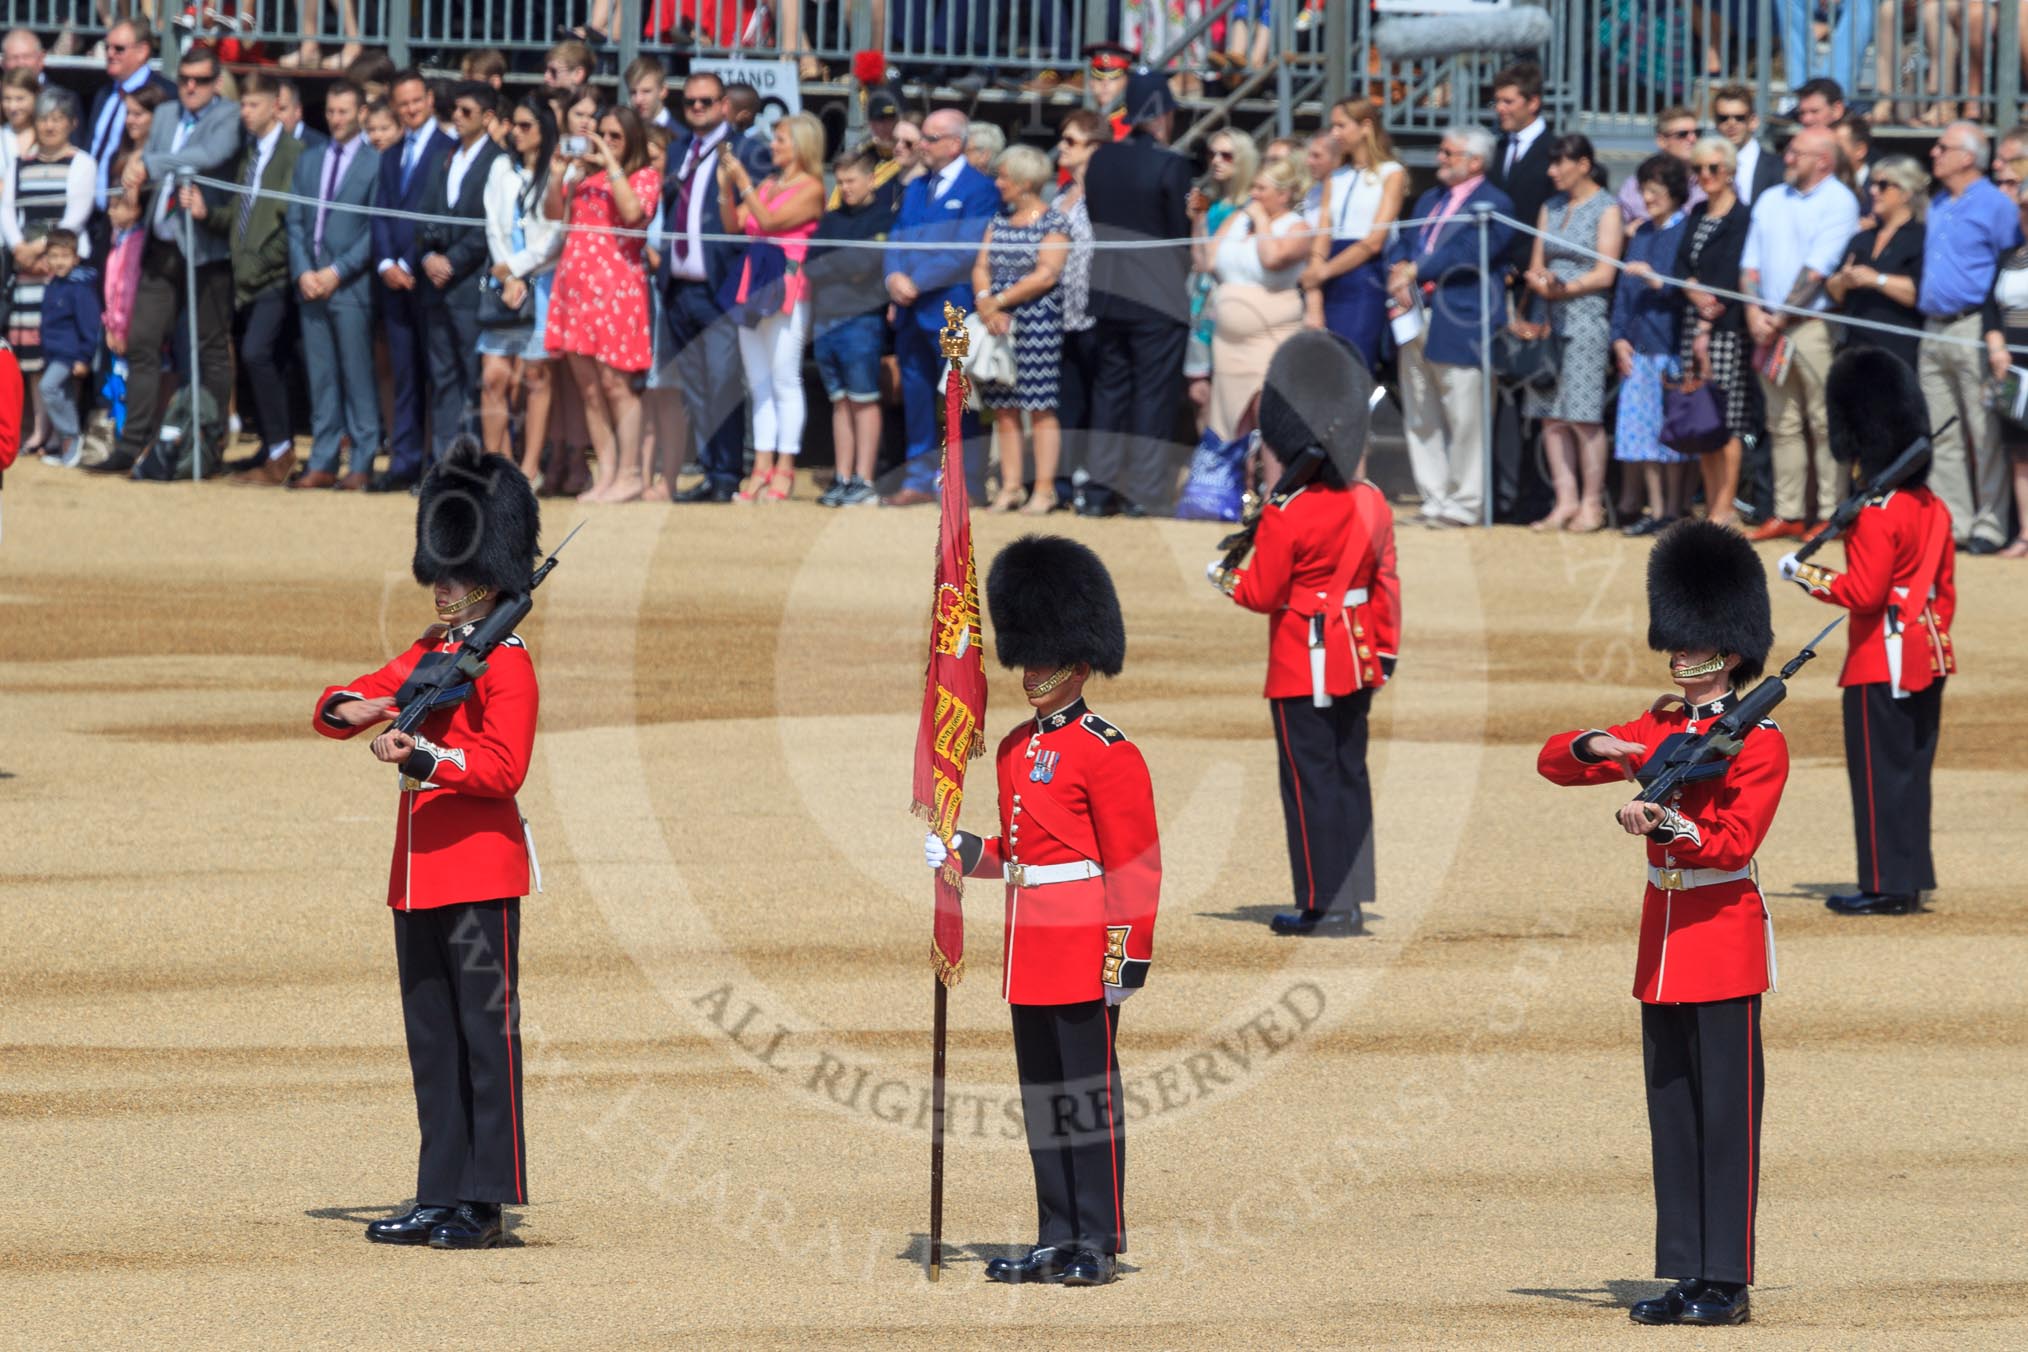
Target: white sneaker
point(73, 456)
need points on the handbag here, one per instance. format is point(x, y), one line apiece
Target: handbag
point(989, 356)
point(1693, 418)
point(1534, 364)
point(496, 313)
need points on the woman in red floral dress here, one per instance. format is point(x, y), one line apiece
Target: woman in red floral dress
point(598, 308)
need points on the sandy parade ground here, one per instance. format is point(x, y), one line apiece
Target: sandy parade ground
point(1431, 1136)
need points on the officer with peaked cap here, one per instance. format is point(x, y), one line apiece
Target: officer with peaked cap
point(1900, 585)
point(1082, 860)
point(1323, 573)
point(461, 853)
point(1706, 945)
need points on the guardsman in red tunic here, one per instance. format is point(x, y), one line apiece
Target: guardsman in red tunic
point(1706, 947)
point(1082, 861)
point(1323, 573)
point(461, 855)
point(1899, 585)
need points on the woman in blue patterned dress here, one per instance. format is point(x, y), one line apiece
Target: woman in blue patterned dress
point(1647, 315)
point(1015, 285)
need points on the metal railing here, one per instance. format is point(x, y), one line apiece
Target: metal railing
point(1610, 66)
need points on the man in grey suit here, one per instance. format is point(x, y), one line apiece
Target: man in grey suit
point(331, 260)
point(199, 134)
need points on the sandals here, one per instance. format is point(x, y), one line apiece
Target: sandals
point(1039, 504)
point(1007, 500)
point(2016, 550)
point(781, 485)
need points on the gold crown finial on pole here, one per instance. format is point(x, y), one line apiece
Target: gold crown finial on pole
point(957, 344)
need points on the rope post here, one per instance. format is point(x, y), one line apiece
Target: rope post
point(1483, 211)
point(400, 18)
point(862, 40)
point(1338, 49)
point(196, 391)
point(2007, 69)
point(626, 26)
point(1284, 51)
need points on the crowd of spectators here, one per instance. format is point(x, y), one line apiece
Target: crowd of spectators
point(623, 292)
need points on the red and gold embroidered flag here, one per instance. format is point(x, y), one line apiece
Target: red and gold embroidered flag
point(954, 688)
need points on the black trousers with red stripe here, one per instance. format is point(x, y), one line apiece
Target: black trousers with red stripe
point(1704, 1096)
point(461, 1002)
point(1890, 748)
point(1077, 1129)
point(1327, 799)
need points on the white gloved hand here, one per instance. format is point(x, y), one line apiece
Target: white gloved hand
point(1117, 995)
point(934, 851)
point(1211, 570)
point(1789, 566)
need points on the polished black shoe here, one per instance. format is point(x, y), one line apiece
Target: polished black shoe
point(412, 1228)
point(1648, 525)
point(1088, 1268)
point(1134, 511)
point(1718, 1303)
point(1352, 921)
point(474, 1225)
point(387, 481)
point(119, 462)
point(1872, 903)
point(1668, 1307)
point(706, 491)
point(1044, 1263)
point(1097, 504)
point(1981, 547)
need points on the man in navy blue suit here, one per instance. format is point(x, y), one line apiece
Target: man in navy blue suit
point(693, 270)
point(406, 172)
point(1436, 267)
point(1136, 190)
point(953, 202)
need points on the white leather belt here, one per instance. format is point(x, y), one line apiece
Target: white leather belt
point(1041, 875)
point(1685, 879)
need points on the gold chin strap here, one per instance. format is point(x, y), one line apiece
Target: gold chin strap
point(1054, 679)
point(1704, 668)
point(465, 602)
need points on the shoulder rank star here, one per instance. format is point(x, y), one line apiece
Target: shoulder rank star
point(1044, 769)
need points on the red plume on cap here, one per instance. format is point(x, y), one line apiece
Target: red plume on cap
point(869, 68)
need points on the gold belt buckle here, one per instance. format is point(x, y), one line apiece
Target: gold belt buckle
point(1017, 874)
point(1672, 879)
point(411, 785)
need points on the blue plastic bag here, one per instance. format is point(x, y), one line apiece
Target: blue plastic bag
point(1217, 481)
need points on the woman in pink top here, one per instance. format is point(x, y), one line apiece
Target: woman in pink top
point(781, 215)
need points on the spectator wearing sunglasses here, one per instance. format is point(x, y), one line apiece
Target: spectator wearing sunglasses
point(1882, 272)
point(202, 137)
point(1675, 135)
point(1733, 117)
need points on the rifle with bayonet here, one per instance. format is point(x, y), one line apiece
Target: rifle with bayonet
point(441, 680)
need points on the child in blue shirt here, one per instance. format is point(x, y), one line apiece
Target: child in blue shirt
point(72, 329)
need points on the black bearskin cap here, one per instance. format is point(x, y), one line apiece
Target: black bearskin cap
point(1053, 604)
point(476, 521)
point(1708, 589)
point(1316, 394)
point(1876, 410)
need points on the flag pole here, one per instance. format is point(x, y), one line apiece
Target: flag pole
point(936, 1236)
point(953, 641)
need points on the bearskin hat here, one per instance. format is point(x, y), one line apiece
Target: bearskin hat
point(1316, 394)
point(476, 521)
point(1876, 410)
point(1708, 589)
point(1053, 604)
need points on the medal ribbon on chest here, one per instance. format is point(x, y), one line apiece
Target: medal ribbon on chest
point(1045, 767)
